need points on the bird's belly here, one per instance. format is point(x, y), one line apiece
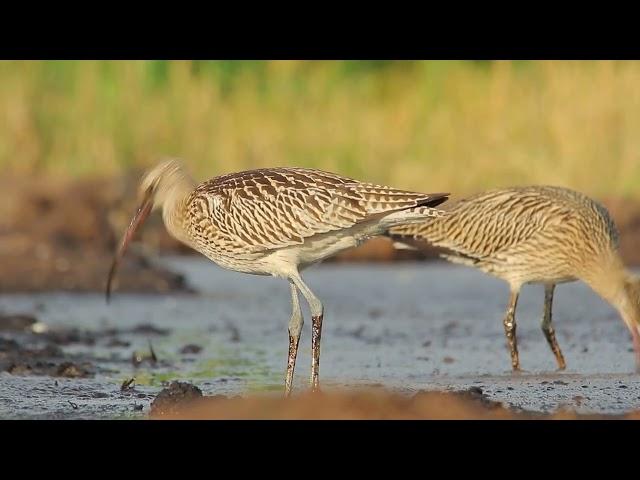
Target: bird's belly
point(516, 273)
point(319, 249)
point(553, 279)
point(283, 262)
point(313, 250)
point(252, 263)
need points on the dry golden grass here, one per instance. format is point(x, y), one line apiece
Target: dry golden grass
point(455, 126)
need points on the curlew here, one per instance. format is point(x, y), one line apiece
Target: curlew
point(536, 234)
point(275, 221)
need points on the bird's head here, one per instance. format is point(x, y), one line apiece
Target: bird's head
point(632, 291)
point(161, 185)
point(628, 304)
point(158, 185)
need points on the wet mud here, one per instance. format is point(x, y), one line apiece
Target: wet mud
point(409, 329)
point(30, 347)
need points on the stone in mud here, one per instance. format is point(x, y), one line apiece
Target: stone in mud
point(477, 395)
point(190, 349)
point(7, 346)
point(475, 391)
point(148, 329)
point(17, 323)
point(116, 342)
point(19, 369)
point(11, 348)
point(71, 370)
point(68, 336)
point(173, 397)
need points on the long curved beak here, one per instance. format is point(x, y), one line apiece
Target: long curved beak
point(143, 212)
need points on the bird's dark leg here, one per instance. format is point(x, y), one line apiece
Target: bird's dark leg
point(635, 335)
point(295, 329)
point(547, 327)
point(510, 329)
point(317, 312)
point(316, 329)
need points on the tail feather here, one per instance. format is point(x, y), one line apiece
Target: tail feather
point(379, 199)
point(410, 216)
point(434, 199)
point(401, 208)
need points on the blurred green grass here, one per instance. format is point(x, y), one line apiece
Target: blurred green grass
point(456, 126)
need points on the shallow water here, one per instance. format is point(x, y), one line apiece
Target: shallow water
point(406, 326)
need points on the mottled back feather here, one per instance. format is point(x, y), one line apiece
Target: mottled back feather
point(272, 208)
point(538, 230)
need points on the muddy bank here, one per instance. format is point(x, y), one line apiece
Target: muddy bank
point(407, 327)
point(181, 401)
point(61, 235)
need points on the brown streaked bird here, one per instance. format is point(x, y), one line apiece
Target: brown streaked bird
point(536, 234)
point(275, 221)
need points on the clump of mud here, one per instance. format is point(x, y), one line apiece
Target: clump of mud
point(174, 398)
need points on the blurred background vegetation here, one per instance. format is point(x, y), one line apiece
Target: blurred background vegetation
point(456, 126)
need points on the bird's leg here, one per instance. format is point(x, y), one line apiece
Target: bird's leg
point(547, 328)
point(317, 311)
point(316, 333)
point(635, 335)
point(510, 329)
point(295, 328)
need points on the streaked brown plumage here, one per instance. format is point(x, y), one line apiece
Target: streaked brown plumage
point(536, 234)
point(276, 221)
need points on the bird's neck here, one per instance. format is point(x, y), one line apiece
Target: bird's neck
point(174, 209)
point(613, 282)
